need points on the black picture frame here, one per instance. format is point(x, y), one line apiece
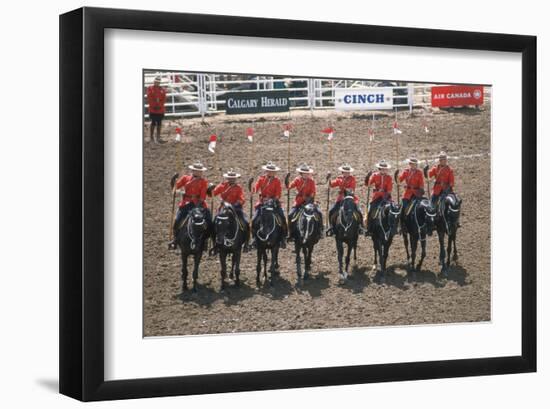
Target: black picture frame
point(81, 282)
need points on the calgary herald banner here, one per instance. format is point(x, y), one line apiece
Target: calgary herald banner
point(258, 101)
point(457, 95)
point(359, 99)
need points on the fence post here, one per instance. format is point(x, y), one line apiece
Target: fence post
point(410, 94)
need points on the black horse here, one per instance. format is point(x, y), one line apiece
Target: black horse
point(268, 232)
point(192, 239)
point(383, 226)
point(346, 230)
point(419, 217)
point(306, 232)
point(231, 236)
point(447, 223)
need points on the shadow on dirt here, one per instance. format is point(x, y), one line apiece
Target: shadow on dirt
point(315, 284)
point(358, 280)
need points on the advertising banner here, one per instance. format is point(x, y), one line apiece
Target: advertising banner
point(457, 95)
point(351, 99)
point(256, 102)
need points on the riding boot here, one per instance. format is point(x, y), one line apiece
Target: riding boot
point(284, 235)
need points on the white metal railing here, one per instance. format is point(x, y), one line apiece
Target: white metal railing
point(194, 94)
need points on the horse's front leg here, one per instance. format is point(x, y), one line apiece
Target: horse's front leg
point(455, 253)
point(258, 264)
point(406, 243)
point(223, 272)
point(184, 271)
point(273, 267)
point(197, 261)
point(441, 237)
point(414, 247)
point(375, 251)
point(307, 260)
point(449, 248)
point(237, 266)
point(348, 258)
point(297, 249)
point(340, 250)
point(422, 251)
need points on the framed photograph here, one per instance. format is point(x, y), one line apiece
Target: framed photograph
point(252, 204)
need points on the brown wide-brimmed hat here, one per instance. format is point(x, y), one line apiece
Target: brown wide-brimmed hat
point(158, 79)
point(231, 174)
point(303, 168)
point(198, 166)
point(346, 167)
point(383, 165)
point(442, 155)
point(413, 160)
point(270, 166)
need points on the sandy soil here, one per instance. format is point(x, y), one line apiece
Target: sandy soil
point(322, 302)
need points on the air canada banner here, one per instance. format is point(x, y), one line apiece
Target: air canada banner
point(363, 99)
point(457, 95)
point(255, 102)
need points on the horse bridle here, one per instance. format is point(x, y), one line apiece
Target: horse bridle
point(190, 223)
point(229, 242)
point(341, 212)
point(387, 233)
point(262, 226)
point(308, 231)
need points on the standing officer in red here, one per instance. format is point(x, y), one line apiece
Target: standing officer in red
point(269, 187)
point(383, 186)
point(306, 190)
point(233, 193)
point(444, 178)
point(194, 194)
point(345, 182)
point(156, 98)
point(414, 186)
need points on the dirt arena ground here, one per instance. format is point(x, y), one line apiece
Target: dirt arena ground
point(322, 302)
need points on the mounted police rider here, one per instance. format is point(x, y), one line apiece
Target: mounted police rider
point(233, 193)
point(444, 179)
point(194, 188)
point(383, 185)
point(269, 187)
point(345, 183)
point(414, 187)
point(306, 190)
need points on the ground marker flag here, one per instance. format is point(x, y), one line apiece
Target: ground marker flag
point(250, 134)
point(178, 134)
point(371, 135)
point(286, 130)
point(212, 143)
point(329, 132)
point(396, 129)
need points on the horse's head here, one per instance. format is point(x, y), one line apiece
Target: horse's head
point(267, 212)
point(452, 210)
point(198, 220)
point(307, 222)
point(347, 209)
point(428, 213)
point(393, 212)
point(224, 222)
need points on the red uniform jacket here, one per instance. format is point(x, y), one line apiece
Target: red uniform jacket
point(444, 178)
point(382, 185)
point(233, 194)
point(306, 189)
point(414, 180)
point(344, 182)
point(268, 187)
point(156, 97)
point(195, 190)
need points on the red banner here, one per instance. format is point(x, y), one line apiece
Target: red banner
point(457, 95)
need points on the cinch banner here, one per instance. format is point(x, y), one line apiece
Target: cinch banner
point(359, 99)
point(257, 101)
point(457, 95)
